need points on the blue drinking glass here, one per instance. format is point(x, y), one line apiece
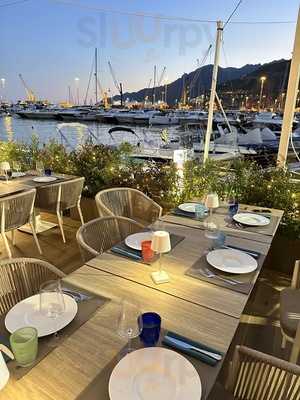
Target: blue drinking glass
point(151, 328)
point(219, 242)
point(48, 172)
point(200, 211)
point(233, 208)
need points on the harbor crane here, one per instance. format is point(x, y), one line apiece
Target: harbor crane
point(29, 92)
point(118, 85)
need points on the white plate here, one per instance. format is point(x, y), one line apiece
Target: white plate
point(251, 219)
point(154, 373)
point(27, 313)
point(17, 174)
point(231, 261)
point(134, 241)
point(189, 207)
point(45, 179)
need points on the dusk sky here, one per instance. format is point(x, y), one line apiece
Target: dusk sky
point(51, 42)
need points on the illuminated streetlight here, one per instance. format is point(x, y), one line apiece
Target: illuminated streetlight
point(262, 81)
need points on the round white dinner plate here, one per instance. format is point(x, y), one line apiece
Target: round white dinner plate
point(154, 373)
point(134, 241)
point(27, 313)
point(42, 179)
point(251, 219)
point(231, 261)
point(17, 174)
point(189, 207)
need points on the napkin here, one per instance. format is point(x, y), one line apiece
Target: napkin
point(126, 251)
point(190, 352)
point(252, 253)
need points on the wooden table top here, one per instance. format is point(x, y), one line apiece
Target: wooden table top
point(26, 182)
point(181, 258)
point(69, 368)
point(220, 215)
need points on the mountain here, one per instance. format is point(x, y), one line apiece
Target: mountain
point(231, 81)
point(276, 73)
point(200, 79)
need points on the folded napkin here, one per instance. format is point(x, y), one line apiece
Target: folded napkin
point(126, 251)
point(181, 213)
point(252, 253)
point(190, 352)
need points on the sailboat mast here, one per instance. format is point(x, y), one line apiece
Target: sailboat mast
point(213, 90)
point(96, 76)
point(291, 98)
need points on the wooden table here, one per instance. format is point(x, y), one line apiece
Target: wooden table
point(201, 311)
point(220, 215)
point(24, 183)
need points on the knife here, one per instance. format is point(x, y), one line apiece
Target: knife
point(253, 254)
point(187, 346)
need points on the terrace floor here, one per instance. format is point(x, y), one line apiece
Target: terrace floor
point(259, 327)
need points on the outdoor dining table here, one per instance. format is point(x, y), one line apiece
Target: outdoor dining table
point(26, 182)
point(205, 312)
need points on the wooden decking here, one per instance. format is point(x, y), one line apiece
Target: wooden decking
point(65, 256)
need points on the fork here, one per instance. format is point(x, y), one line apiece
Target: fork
point(209, 274)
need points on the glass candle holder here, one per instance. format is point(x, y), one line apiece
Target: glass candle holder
point(24, 344)
point(147, 252)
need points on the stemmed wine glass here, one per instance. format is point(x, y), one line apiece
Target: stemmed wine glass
point(129, 324)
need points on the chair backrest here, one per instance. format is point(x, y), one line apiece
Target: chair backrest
point(127, 202)
point(61, 196)
point(16, 210)
point(255, 375)
point(21, 278)
point(101, 234)
point(296, 276)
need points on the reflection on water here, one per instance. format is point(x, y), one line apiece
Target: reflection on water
point(15, 128)
point(7, 123)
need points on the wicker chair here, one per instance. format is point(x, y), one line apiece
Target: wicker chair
point(59, 197)
point(101, 234)
point(17, 210)
point(258, 376)
point(21, 278)
point(130, 203)
point(290, 314)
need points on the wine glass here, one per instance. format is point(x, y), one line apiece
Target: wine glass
point(129, 324)
point(39, 166)
point(51, 299)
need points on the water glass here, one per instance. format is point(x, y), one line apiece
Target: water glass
point(219, 242)
point(200, 211)
point(51, 299)
point(147, 252)
point(151, 328)
point(39, 166)
point(129, 323)
point(24, 344)
point(48, 171)
point(233, 207)
point(211, 228)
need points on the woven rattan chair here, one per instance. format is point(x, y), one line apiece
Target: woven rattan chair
point(17, 210)
point(258, 376)
point(21, 278)
point(290, 314)
point(101, 234)
point(59, 197)
point(127, 202)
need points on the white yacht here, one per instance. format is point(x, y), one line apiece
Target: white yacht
point(159, 118)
